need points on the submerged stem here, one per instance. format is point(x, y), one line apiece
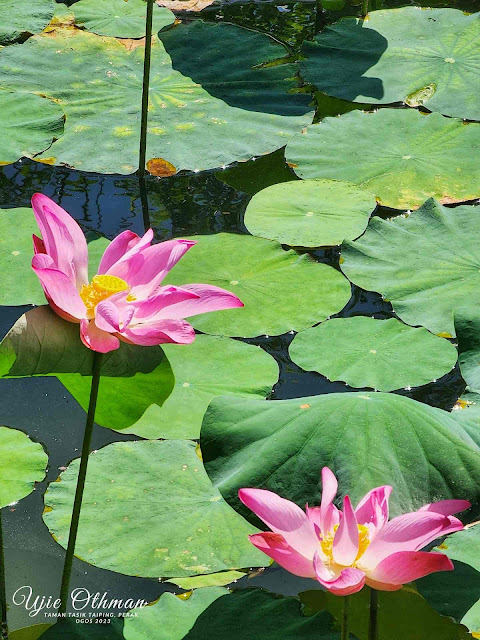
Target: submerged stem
point(145, 90)
point(82, 472)
point(345, 632)
point(373, 618)
point(365, 7)
point(3, 591)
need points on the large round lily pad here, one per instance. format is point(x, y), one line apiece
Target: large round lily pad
point(119, 18)
point(426, 264)
point(281, 290)
point(209, 367)
point(149, 509)
point(310, 213)
point(22, 464)
point(427, 57)
point(400, 155)
point(21, 19)
point(237, 65)
point(367, 439)
point(16, 251)
point(188, 128)
point(29, 125)
point(381, 354)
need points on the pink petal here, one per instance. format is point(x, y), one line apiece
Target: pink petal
point(408, 532)
point(63, 239)
point(209, 298)
point(284, 517)
point(406, 566)
point(161, 332)
point(329, 515)
point(447, 507)
point(107, 316)
point(96, 339)
point(382, 586)
point(349, 580)
point(121, 251)
point(274, 545)
point(373, 508)
point(345, 542)
point(313, 514)
point(58, 288)
point(157, 262)
point(158, 305)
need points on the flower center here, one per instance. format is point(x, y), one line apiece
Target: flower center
point(100, 288)
point(363, 541)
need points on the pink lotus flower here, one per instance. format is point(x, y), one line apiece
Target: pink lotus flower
point(125, 300)
point(344, 550)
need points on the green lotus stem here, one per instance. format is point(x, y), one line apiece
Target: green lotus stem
point(365, 7)
point(3, 592)
point(82, 472)
point(373, 617)
point(345, 632)
point(146, 85)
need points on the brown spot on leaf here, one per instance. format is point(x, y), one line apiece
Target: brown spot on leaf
point(305, 406)
point(46, 160)
point(292, 165)
point(161, 167)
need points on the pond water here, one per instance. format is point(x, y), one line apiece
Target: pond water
point(177, 206)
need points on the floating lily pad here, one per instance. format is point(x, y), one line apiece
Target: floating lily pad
point(133, 378)
point(281, 290)
point(467, 328)
point(401, 614)
point(310, 213)
point(71, 629)
point(16, 252)
point(172, 616)
point(241, 615)
point(381, 354)
point(211, 366)
point(426, 57)
point(237, 65)
point(149, 509)
point(29, 125)
point(425, 265)
point(282, 445)
point(119, 18)
point(400, 155)
point(210, 580)
point(21, 19)
point(188, 128)
point(22, 464)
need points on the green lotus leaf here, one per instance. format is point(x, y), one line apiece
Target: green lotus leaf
point(150, 510)
point(171, 617)
point(282, 446)
point(401, 614)
point(133, 378)
point(16, 252)
point(281, 290)
point(209, 367)
point(425, 264)
point(188, 128)
point(381, 354)
point(425, 57)
point(20, 19)
point(29, 633)
point(210, 580)
point(119, 18)
point(400, 155)
point(241, 615)
point(237, 65)
point(22, 464)
point(29, 125)
point(310, 213)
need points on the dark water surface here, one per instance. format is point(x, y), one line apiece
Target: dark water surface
point(178, 206)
